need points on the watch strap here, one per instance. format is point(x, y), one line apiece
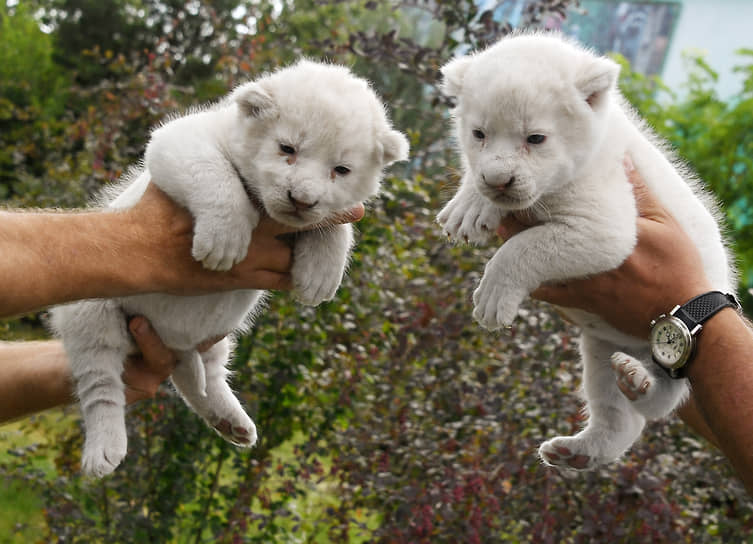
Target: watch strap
point(699, 309)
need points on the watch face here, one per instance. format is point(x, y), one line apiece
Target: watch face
point(671, 342)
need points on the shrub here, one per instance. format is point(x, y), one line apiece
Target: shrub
point(385, 415)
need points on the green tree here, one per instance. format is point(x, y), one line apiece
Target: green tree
point(33, 93)
point(90, 34)
point(28, 74)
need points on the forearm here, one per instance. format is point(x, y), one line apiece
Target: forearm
point(721, 376)
point(34, 376)
point(692, 416)
point(49, 258)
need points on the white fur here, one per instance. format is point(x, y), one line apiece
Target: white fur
point(574, 184)
point(330, 118)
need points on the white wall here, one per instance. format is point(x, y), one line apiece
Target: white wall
point(717, 28)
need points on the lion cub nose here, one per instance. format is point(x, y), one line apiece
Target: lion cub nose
point(501, 183)
point(301, 204)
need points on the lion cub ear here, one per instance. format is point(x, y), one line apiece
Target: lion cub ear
point(255, 101)
point(395, 147)
point(596, 78)
point(453, 74)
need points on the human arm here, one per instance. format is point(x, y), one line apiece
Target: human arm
point(55, 257)
point(721, 378)
point(35, 376)
point(646, 285)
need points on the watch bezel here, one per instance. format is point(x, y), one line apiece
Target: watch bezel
point(687, 336)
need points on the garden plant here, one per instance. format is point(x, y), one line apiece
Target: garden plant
point(386, 415)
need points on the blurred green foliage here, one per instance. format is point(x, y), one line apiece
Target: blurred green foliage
point(28, 74)
point(33, 92)
point(385, 415)
point(714, 137)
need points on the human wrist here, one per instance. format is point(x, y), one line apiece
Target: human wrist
point(161, 237)
point(674, 335)
point(678, 296)
point(722, 333)
point(143, 252)
point(112, 255)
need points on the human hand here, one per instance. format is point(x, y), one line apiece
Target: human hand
point(144, 372)
point(167, 232)
point(664, 269)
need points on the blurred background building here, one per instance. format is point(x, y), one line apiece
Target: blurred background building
point(656, 35)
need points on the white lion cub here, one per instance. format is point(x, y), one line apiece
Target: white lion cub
point(543, 131)
point(304, 142)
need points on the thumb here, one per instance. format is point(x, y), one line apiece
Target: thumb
point(271, 227)
point(646, 202)
point(352, 215)
point(159, 357)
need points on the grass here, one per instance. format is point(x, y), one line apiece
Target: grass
point(21, 508)
point(21, 516)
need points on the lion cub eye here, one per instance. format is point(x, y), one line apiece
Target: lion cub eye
point(287, 149)
point(342, 170)
point(536, 139)
point(478, 134)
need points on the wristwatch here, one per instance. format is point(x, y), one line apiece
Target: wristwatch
point(673, 336)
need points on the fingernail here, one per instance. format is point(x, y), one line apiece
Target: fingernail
point(139, 325)
point(627, 162)
point(356, 214)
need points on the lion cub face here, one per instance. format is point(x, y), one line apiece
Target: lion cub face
point(318, 140)
point(530, 112)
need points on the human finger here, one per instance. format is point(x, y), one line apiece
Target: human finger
point(557, 294)
point(267, 265)
point(273, 228)
point(208, 343)
point(273, 280)
point(645, 200)
point(271, 254)
point(160, 358)
point(352, 215)
point(509, 227)
point(142, 374)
